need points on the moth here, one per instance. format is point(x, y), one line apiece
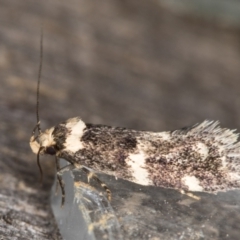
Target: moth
point(202, 158)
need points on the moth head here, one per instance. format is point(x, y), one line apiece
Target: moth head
point(43, 143)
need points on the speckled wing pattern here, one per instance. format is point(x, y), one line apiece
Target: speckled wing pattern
point(203, 158)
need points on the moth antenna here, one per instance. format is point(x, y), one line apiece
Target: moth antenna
point(37, 107)
point(39, 79)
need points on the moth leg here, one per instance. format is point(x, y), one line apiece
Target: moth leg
point(59, 178)
point(92, 175)
point(189, 194)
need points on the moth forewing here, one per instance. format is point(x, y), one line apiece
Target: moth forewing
point(203, 158)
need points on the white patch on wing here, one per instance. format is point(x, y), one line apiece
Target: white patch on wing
point(138, 170)
point(73, 141)
point(202, 149)
point(192, 183)
point(224, 162)
point(75, 125)
point(223, 154)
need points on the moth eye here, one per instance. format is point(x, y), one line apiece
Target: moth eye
point(50, 150)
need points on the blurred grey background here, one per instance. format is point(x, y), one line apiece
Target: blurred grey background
point(148, 65)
